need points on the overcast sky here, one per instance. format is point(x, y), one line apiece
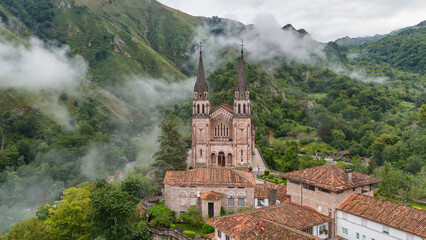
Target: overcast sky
point(325, 20)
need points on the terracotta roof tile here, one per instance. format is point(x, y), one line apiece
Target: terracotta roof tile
point(209, 236)
point(284, 221)
point(261, 190)
point(210, 176)
point(330, 177)
point(211, 195)
point(227, 107)
point(394, 215)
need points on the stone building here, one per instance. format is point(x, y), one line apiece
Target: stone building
point(325, 187)
point(208, 189)
point(222, 136)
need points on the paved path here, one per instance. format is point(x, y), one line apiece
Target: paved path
point(258, 162)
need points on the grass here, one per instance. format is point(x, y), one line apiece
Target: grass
point(414, 205)
point(189, 227)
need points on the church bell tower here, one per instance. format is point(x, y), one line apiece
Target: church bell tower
point(200, 116)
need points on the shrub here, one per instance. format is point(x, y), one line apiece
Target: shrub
point(305, 141)
point(161, 216)
point(222, 211)
point(190, 234)
point(206, 229)
point(267, 172)
point(193, 217)
point(271, 176)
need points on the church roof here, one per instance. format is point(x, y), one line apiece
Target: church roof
point(330, 177)
point(242, 85)
point(210, 176)
point(394, 215)
point(211, 196)
point(227, 107)
point(200, 84)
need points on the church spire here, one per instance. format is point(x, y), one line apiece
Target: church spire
point(242, 85)
point(201, 84)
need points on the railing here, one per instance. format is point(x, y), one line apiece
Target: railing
point(145, 201)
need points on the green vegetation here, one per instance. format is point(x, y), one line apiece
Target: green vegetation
point(271, 178)
point(188, 233)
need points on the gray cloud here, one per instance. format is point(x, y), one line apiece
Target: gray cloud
point(325, 20)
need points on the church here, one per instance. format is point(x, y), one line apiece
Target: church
point(222, 136)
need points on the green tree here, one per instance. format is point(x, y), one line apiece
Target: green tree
point(69, 219)
point(390, 177)
point(29, 230)
point(171, 154)
point(138, 187)
point(193, 217)
point(111, 211)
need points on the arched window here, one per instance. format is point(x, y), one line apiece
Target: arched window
point(201, 152)
point(242, 151)
point(198, 108)
point(203, 108)
point(215, 131)
point(227, 133)
point(239, 108)
point(221, 130)
point(244, 108)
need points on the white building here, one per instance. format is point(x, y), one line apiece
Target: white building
point(362, 217)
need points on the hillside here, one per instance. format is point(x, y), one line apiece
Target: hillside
point(306, 96)
point(105, 33)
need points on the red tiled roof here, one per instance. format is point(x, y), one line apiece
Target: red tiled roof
point(261, 190)
point(227, 107)
point(292, 215)
point(246, 225)
point(210, 176)
point(330, 177)
point(209, 236)
point(211, 195)
point(407, 219)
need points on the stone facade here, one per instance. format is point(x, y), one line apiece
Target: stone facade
point(180, 198)
point(222, 136)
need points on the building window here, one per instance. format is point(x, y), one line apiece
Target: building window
point(182, 212)
point(324, 190)
point(242, 151)
point(310, 187)
point(241, 202)
point(219, 233)
point(357, 235)
point(201, 152)
point(192, 186)
point(241, 187)
point(182, 186)
point(227, 237)
point(230, 201)
point(294, 182)
point(386, 229)
point(344, 231)
point(322, 230)
point(308, 230)
point(230, 187)
point(260, 202)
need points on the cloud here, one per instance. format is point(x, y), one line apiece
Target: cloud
point(39, 67)
point(325, 20)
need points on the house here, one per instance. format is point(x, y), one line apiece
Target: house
point(325, 187)
point(208, 189)
point(283, 221)
point(264, 193)
point(222, 136)
point(362, 217)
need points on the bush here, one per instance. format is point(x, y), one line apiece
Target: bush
point(267, 172)
point(206, 229)
point(222, 211)
point(271, 176)
point(305, 141)
point(193, 217)
point(161, 216)
point(190, 234)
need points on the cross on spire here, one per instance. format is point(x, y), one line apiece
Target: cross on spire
point(242, 46)
point(200, 46)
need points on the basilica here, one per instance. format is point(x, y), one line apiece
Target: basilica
point(222, 136)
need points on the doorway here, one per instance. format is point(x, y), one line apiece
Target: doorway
point(221, 159)
point(211, 209)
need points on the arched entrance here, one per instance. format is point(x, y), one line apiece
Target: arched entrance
point(229, 159)
point(221, 159)
point(213, 159)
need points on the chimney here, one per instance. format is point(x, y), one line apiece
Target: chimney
point(272, 196)
point(348, 174)
point(288, 199)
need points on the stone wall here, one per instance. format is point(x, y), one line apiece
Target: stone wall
point(179, 198)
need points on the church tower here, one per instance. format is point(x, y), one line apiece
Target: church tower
point(222, 136)
point(200, 116)
point(242, 117)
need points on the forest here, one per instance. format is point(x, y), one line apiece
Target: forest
point(375, 109)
